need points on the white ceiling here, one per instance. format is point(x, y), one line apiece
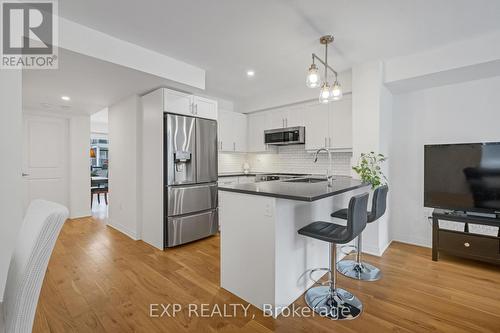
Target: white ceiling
point(276, 38)
point(92, 84)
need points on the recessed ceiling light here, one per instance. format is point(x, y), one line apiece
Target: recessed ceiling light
point(65, 98)
point(250, 73)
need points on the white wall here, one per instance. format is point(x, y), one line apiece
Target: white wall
point(99, 128)
point(99, 122)
point(467, 112)
point(79, 164)
point(10, 169)
point(461, 54)
point(124, 182)
point(386, 143)
point(102, 46)
point(371, 114)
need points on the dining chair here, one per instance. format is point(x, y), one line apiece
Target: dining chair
point(28, 264)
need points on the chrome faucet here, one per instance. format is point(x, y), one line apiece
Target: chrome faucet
point(329, 171)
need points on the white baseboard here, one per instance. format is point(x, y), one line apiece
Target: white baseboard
point(382, 251)
point(79, 216)
point(375, 251)
point(419, 241)
point(123, 230)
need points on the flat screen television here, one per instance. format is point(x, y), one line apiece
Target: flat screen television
point(463, 177)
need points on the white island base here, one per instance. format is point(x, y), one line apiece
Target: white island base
point(263, 259)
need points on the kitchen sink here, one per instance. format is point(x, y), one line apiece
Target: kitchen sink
point(306, 180)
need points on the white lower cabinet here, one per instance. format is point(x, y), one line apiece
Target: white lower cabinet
point(246, 179)
point(227, 180)
point(236, 180)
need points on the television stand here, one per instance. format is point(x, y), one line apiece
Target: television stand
point(463, 243)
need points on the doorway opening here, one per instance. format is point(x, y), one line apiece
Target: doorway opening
point(99, 164)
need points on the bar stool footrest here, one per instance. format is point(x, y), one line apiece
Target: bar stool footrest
point(353, 249)
point(312, 271)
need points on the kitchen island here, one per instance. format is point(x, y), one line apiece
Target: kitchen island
point(263, 259)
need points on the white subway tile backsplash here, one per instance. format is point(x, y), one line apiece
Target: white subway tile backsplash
point(289, 159)
point(231, 162)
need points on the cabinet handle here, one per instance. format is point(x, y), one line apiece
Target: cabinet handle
point(330, 142)
point(234, 146)
point(467, 244)
point(286, 122)
point(196, 109)
point(325, 141)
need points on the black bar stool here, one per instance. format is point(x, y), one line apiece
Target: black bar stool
point(357, 269)
point(330, 301)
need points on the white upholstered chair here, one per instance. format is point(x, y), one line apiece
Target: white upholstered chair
point(35, 242)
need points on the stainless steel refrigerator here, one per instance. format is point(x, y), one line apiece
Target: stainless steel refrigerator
point(190, 155)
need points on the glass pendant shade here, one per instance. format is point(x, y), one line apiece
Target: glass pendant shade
point(312, 80)
point(336, 92)
point(325, 93)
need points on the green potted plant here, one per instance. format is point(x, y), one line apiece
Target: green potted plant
point(369, 170)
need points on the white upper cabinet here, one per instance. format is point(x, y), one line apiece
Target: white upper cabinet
point(341, 124)
point(232, 131)
point(240, 132)
point(204, 107)
point(257, 124)
point(286, 117)
point(226, 132)
point(177, 102)
point(295, 116)
point(189, 105)
point(275, 119)
point(317, 125)
point(329, 125)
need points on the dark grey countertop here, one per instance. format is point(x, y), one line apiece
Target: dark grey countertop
point(241, 173)
point(238, 174)
point(296, 191)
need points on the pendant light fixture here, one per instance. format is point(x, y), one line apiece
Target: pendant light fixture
point(312, 80)
point(328, 92)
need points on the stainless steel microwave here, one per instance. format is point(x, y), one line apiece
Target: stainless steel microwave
point(285, 136)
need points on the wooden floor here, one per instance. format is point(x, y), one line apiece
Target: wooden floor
point(99, 280)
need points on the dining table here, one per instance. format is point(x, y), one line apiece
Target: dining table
point(97, 181)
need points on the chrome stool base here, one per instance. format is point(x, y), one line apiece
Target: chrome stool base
point(355, 270)
point(340, 305)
